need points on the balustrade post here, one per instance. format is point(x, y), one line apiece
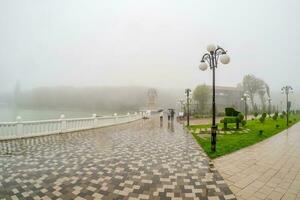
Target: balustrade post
point(19, 127)
point(142, 114)
point(128, 117)
point(95, 121)
point(63, 123)
point(116, 118)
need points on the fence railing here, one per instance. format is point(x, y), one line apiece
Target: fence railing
point(22, 129)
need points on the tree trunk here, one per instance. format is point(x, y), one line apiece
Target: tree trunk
point(252, 101)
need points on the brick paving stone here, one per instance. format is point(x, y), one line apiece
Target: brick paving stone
point(139, 160)
point(268, 170)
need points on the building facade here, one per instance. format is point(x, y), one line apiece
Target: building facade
point(225, 97)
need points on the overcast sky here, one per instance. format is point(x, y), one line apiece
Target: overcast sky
point(155, 43)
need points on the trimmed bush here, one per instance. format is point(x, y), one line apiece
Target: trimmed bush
point(244, 122)
point(240, 117)
point(231, 112)
point(232, 116)
point(275, 116)
point(228, 120)
point(262, 119)
point(281, 116)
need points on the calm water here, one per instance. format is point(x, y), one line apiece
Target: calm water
point(10, 114)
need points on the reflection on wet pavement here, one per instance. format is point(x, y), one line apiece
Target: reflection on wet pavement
point(146, 159)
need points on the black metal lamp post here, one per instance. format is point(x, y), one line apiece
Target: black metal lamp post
point(286, 90)
point(187, 92)
point(244, 98)
point(215, 53)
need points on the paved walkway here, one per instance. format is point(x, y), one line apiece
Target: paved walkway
point(267, 170)
point(140, 160)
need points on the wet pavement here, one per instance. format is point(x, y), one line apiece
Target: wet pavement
point(139, 160)
point(267, 170)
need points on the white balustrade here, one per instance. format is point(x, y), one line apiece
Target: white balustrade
point(22, 129)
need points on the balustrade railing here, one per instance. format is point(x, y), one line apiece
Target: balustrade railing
point(22, 129)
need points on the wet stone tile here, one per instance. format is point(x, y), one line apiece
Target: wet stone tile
point(140, 160)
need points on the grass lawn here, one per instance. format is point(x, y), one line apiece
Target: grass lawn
point(227, 143)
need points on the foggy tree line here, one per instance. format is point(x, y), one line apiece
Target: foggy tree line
point(92, 98)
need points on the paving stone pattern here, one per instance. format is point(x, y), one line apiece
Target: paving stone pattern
point(139, 160)
point(267, 170)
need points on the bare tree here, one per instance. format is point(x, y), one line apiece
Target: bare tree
point(261, 94)
point(252, 85)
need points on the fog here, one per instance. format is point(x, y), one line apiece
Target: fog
point(143, 44)
point(113, 99)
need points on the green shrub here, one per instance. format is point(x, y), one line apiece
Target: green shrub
point(262, 119)
point(231, 112)
point(240, 117)
point(281, 116)
point(260, 132)
point(277, 125)
point(255, 114)
point(283, 113)
point(229, 120)
point(244, 122)
point(275, 116)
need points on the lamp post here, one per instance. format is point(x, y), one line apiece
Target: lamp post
point(215, 53)
point(244, 98)
point(286, 90)
point(187, 92)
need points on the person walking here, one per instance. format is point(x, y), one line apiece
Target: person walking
point(169, 115)
point(161, 115)
point(172, 114)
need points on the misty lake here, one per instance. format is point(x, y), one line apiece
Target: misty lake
point(8, 114)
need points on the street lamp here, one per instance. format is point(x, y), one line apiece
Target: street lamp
point(244, 98)
point(187, 92)
point(215, 53)
point(286, 90)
